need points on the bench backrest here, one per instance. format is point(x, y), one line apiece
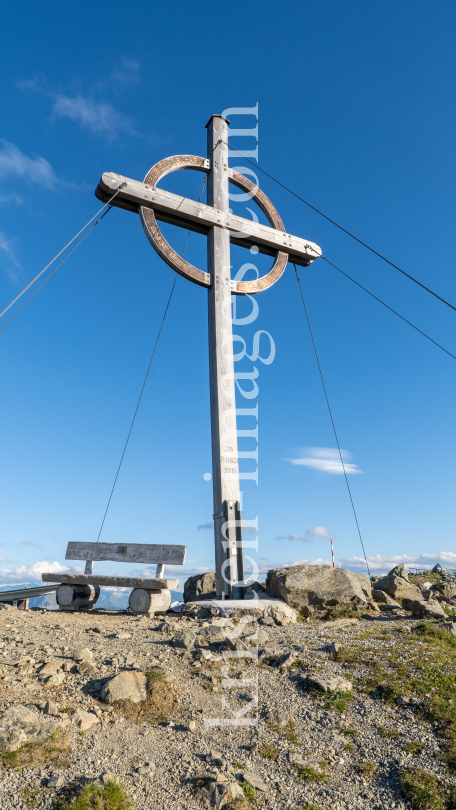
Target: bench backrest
point(129, 552)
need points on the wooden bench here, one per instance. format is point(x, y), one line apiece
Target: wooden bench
point(149, 596)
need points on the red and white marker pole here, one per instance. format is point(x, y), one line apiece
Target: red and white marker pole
point(332, 552)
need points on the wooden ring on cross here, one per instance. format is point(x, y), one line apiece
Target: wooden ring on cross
point(180, 265)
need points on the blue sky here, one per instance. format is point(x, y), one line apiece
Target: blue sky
point(356, 112)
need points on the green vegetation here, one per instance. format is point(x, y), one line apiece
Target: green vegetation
point(309, 774)
point(249, 792)
point(348, 656)
point(268, 751)
point(424, 791)
point(95, 797)
point(422, 663)
point(349, 747)
point(413, 747)
point(239, 765)
point(52, 751)
point(349, 732)
point(366, 768)
point(337, 701)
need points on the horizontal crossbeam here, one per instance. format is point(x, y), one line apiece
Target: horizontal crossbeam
point(147, 553)
point(116, 582)
point(192, 215)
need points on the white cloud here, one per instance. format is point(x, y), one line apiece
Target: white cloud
point(13, 163)
point(292, 537)
point(318, 532)
point(12, 264)
point(96, 116)
point(33, 572)
point(325, 459)
point(127, 73)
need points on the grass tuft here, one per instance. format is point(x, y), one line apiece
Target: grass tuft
point(366, 768)
point(309, 774)
point(423, 790)
point(268, 751)
point(95, 797)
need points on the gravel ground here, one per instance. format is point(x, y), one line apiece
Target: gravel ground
point(171, 753)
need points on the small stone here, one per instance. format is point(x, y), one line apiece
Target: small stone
point(84, 720)
point(107, 777)
point(82, 654)
point(254, 780)
point(55, 680)
point(51, 668)
point(288, 661)
point(87, 668)
point(328, 683)
point(51, 708)
point(334, 647)
point(278, 717)
point(218, 795)
point(143, 769)
point(267, 621)
point(192, 726)
point(184, 639)
point(401, 701)
point(166, 627)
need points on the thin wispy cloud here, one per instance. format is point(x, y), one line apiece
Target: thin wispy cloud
point(8, 258)
point(325, 459)
point(292, 537)
point(127, 73)
point(99, 117)
point(30, 543)
point(13, 163)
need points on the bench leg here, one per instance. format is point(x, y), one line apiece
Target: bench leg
point(148, 603)
point(77, 597)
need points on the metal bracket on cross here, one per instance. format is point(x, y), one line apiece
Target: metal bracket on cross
point(222, 227)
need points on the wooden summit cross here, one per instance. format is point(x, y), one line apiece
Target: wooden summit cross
point(221, 228)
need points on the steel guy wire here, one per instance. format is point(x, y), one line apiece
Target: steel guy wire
point(341, 228)
point(332, 421)
point(60, 253)
point(145, 379)
point(388, 307)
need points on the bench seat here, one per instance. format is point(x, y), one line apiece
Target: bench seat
point(119, 582)
point(150, 595)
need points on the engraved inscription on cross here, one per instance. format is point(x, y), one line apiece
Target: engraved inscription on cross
point(222, 228)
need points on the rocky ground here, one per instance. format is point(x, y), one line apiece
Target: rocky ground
point(339, 749)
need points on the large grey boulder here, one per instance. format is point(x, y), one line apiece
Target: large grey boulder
point(421, 607)
point(21, 724)
point(315, 589)
point(396, 584)
point(200, 586)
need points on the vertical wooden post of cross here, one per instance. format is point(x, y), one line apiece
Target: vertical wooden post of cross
point(225, 464)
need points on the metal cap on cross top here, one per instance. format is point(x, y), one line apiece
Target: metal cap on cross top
point(222, 228)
